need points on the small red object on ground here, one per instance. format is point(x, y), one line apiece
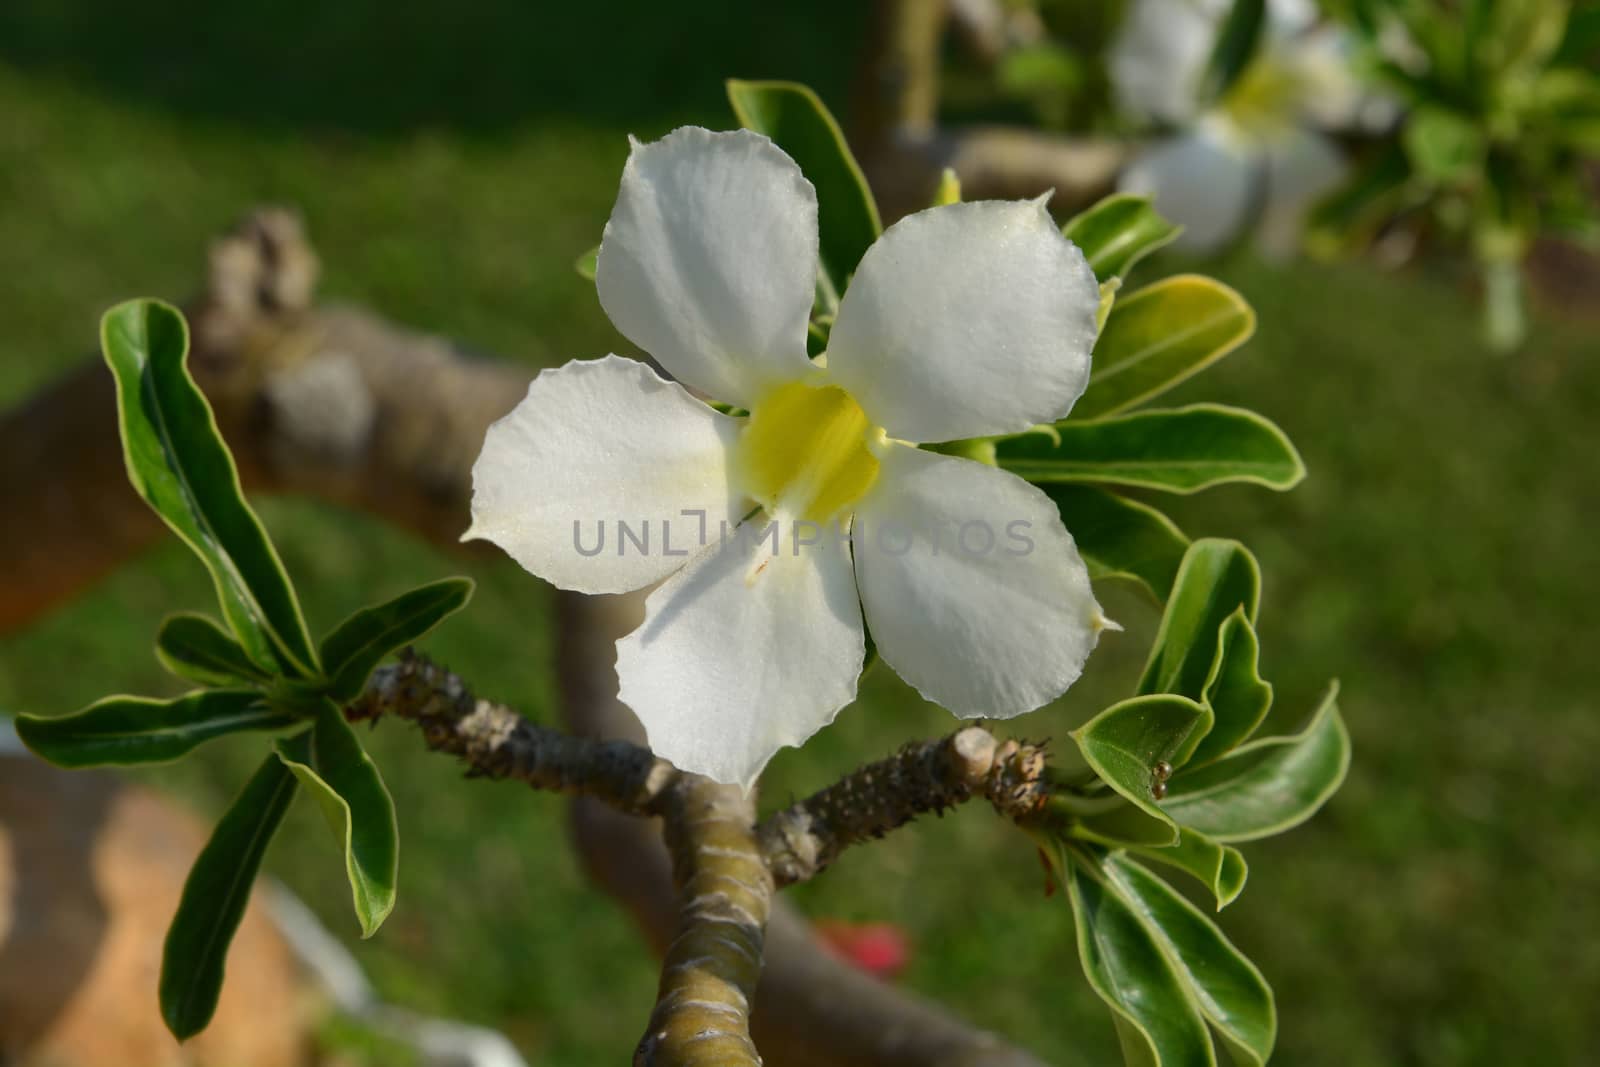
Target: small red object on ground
point(879, 948)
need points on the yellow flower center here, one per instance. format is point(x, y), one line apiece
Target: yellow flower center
point(1266, 99)
point(807, 451)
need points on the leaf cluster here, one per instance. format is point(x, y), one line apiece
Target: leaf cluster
point(257, 670)
point(1176, 775)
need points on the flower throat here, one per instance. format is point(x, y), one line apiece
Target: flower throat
point(806, 451)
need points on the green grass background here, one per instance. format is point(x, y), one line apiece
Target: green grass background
point(452, 161)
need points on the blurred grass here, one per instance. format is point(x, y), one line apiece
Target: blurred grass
point(1440, 560)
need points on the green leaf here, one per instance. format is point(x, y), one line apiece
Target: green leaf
point(1238, 40)
point(1177, 450)
point(1235, 691)
point(1442, 145)
point(1233, 996)
point(1216, 578)
point(127, 730)
point(214, 899)
point(949, 190)
point(1108, 300)
point(178, 462)
point(1125, 743)
point(1159, 336)
point(1580, 44)
point(1570, 104)
point(585, 264)
point(359, 643)
point(1123, 826)
point(1045, 73)
point(1121, 538)
point(1133, 971)
point(330, 762)
point(1118, 232)
point(194, 647)
point(793, 116)
point(1220, 868)
point(1267, 786)
point(1522, 36)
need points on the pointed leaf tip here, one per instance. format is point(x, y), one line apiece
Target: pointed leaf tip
point(1161, 335)
point(360, 642)
point(195, 955)
point(1216, 577)
point(329, 761)
point(1234, 690)
point(1117, 232)
point(177, 461)
point(1174, 450)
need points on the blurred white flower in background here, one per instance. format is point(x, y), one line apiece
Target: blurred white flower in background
point(1261, 150)
point(961, 321)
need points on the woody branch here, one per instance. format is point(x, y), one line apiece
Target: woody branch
point(724, 866)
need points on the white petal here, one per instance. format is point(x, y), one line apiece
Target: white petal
point(1300, 168)
point(994, 619)
point(1290, 18)
point(1335, 97)
point(1160, 54)
point(601, 442)
point(709, 261)
point(745, 650)
point(1204, 180)
point(966, 320)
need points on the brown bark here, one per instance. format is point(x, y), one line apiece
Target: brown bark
point(330, 402)
point(60, 459)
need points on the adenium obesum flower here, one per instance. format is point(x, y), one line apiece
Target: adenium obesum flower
point(1262, 146)
point(779, 532)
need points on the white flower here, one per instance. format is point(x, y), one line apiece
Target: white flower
point(1261, 147)
point(967, 320)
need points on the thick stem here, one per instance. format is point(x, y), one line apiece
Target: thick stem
point(709, 975)
point(712, 966)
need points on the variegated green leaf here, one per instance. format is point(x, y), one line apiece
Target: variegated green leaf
point(330, 763)
point(1267, 786)
point(1160, 335)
